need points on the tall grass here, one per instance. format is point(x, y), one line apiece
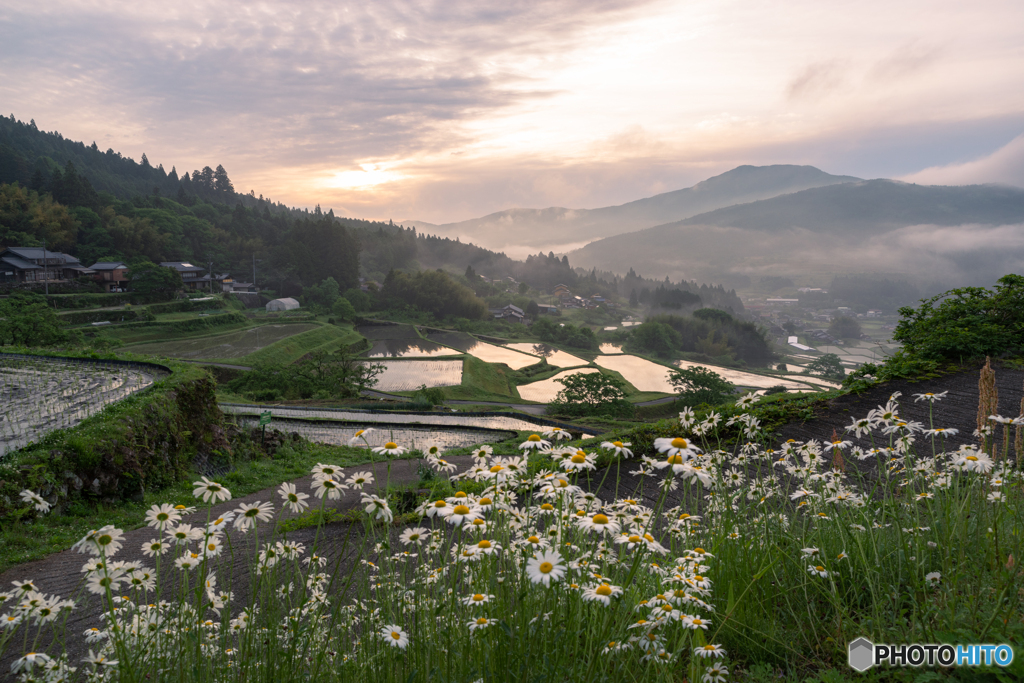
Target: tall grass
point(779, 556)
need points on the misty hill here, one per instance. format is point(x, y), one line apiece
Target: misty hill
point(955, 235)
point(555, 228)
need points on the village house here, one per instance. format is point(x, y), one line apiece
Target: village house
point(33, 264)
point(112, 275)
point(510, 313)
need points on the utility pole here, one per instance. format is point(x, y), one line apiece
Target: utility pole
point(46, 271)
point(211, 277)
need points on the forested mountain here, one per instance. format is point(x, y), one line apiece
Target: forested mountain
point(103, 206)
point(939, 237)
point(556, 228)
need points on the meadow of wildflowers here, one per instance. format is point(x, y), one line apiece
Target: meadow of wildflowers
point(542, 567)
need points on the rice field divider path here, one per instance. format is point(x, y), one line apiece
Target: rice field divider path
point(61, 574)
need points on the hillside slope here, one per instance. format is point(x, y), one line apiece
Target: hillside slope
point(954, 235)
point(520, 231)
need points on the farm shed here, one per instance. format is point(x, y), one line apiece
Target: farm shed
point(288, 304)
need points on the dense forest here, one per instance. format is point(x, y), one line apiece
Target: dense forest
point(100, 205)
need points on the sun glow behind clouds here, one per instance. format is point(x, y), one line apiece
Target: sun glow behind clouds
point(369, 177)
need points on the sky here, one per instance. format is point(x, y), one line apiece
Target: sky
point(444, 111)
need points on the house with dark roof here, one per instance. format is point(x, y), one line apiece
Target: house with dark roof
point(113, 275)
point(34, 264)
point(197, 278)
point(509, 312)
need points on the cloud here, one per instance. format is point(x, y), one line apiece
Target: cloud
point(904, 61)
point(1004, 166)
point(816, 80)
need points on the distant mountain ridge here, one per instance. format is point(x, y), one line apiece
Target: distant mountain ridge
point(557, 228)
point(955, 235)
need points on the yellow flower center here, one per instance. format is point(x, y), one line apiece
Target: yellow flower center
point(680, 442)
point(460, 494)
point(478, 597)
point(600, 519)
point(391, 445)
point(579, 459)
point(820, 568)
point(496, 469)
point(617, 444)
point(972, 457)
point(440, 504)
point(396, 635)
point(604, 589)
point(478, 522)
point(634, 539)
point(533, 437)
point(482, 620)
point(699, 551)
point(179, 507)
point(211, 546)
point(461, 510)
point(561, 483)
point(546, 567)
point(484, 544)
point(547, 506)
point(668, 608)
point(485, 501)
point(649, 537)
point(675, 459)
point(533, 539)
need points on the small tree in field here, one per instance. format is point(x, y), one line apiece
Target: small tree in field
point(591, 394)
point(700, 385)
point(828, 365)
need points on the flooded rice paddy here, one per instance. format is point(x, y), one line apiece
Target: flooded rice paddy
point(545, 390)
point(406, 436)
point(407, 348)
point(40, 395)
point(409, 375)
point(446, 420)
point(489, 353)
point(607, 348)
point(556, 357)
point(641, 373)
point(231, 345)
point(747, 379)
point(388, 331)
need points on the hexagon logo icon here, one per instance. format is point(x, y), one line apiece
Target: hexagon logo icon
point(862, 654)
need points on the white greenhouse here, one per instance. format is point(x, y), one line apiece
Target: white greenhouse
point(282, 305)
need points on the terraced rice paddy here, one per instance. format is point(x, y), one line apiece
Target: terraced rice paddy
point(411, 437)
point(610, 348)
point(747, 379)
point(230, 345)
point(388, 332)
point(407, 348)
point(545, 390)
point(489, 353)
point(556, 357)
point(40, 395)
point(641, 373)
point(447, 420)
point(409, 375)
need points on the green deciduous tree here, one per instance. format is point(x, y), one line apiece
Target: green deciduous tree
point(591, 394)
point(657, 338)
point(343, 308)
point(827, 365)
point(966, 323)
point(26, 320)
point(146, 277)
point(699, 385)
